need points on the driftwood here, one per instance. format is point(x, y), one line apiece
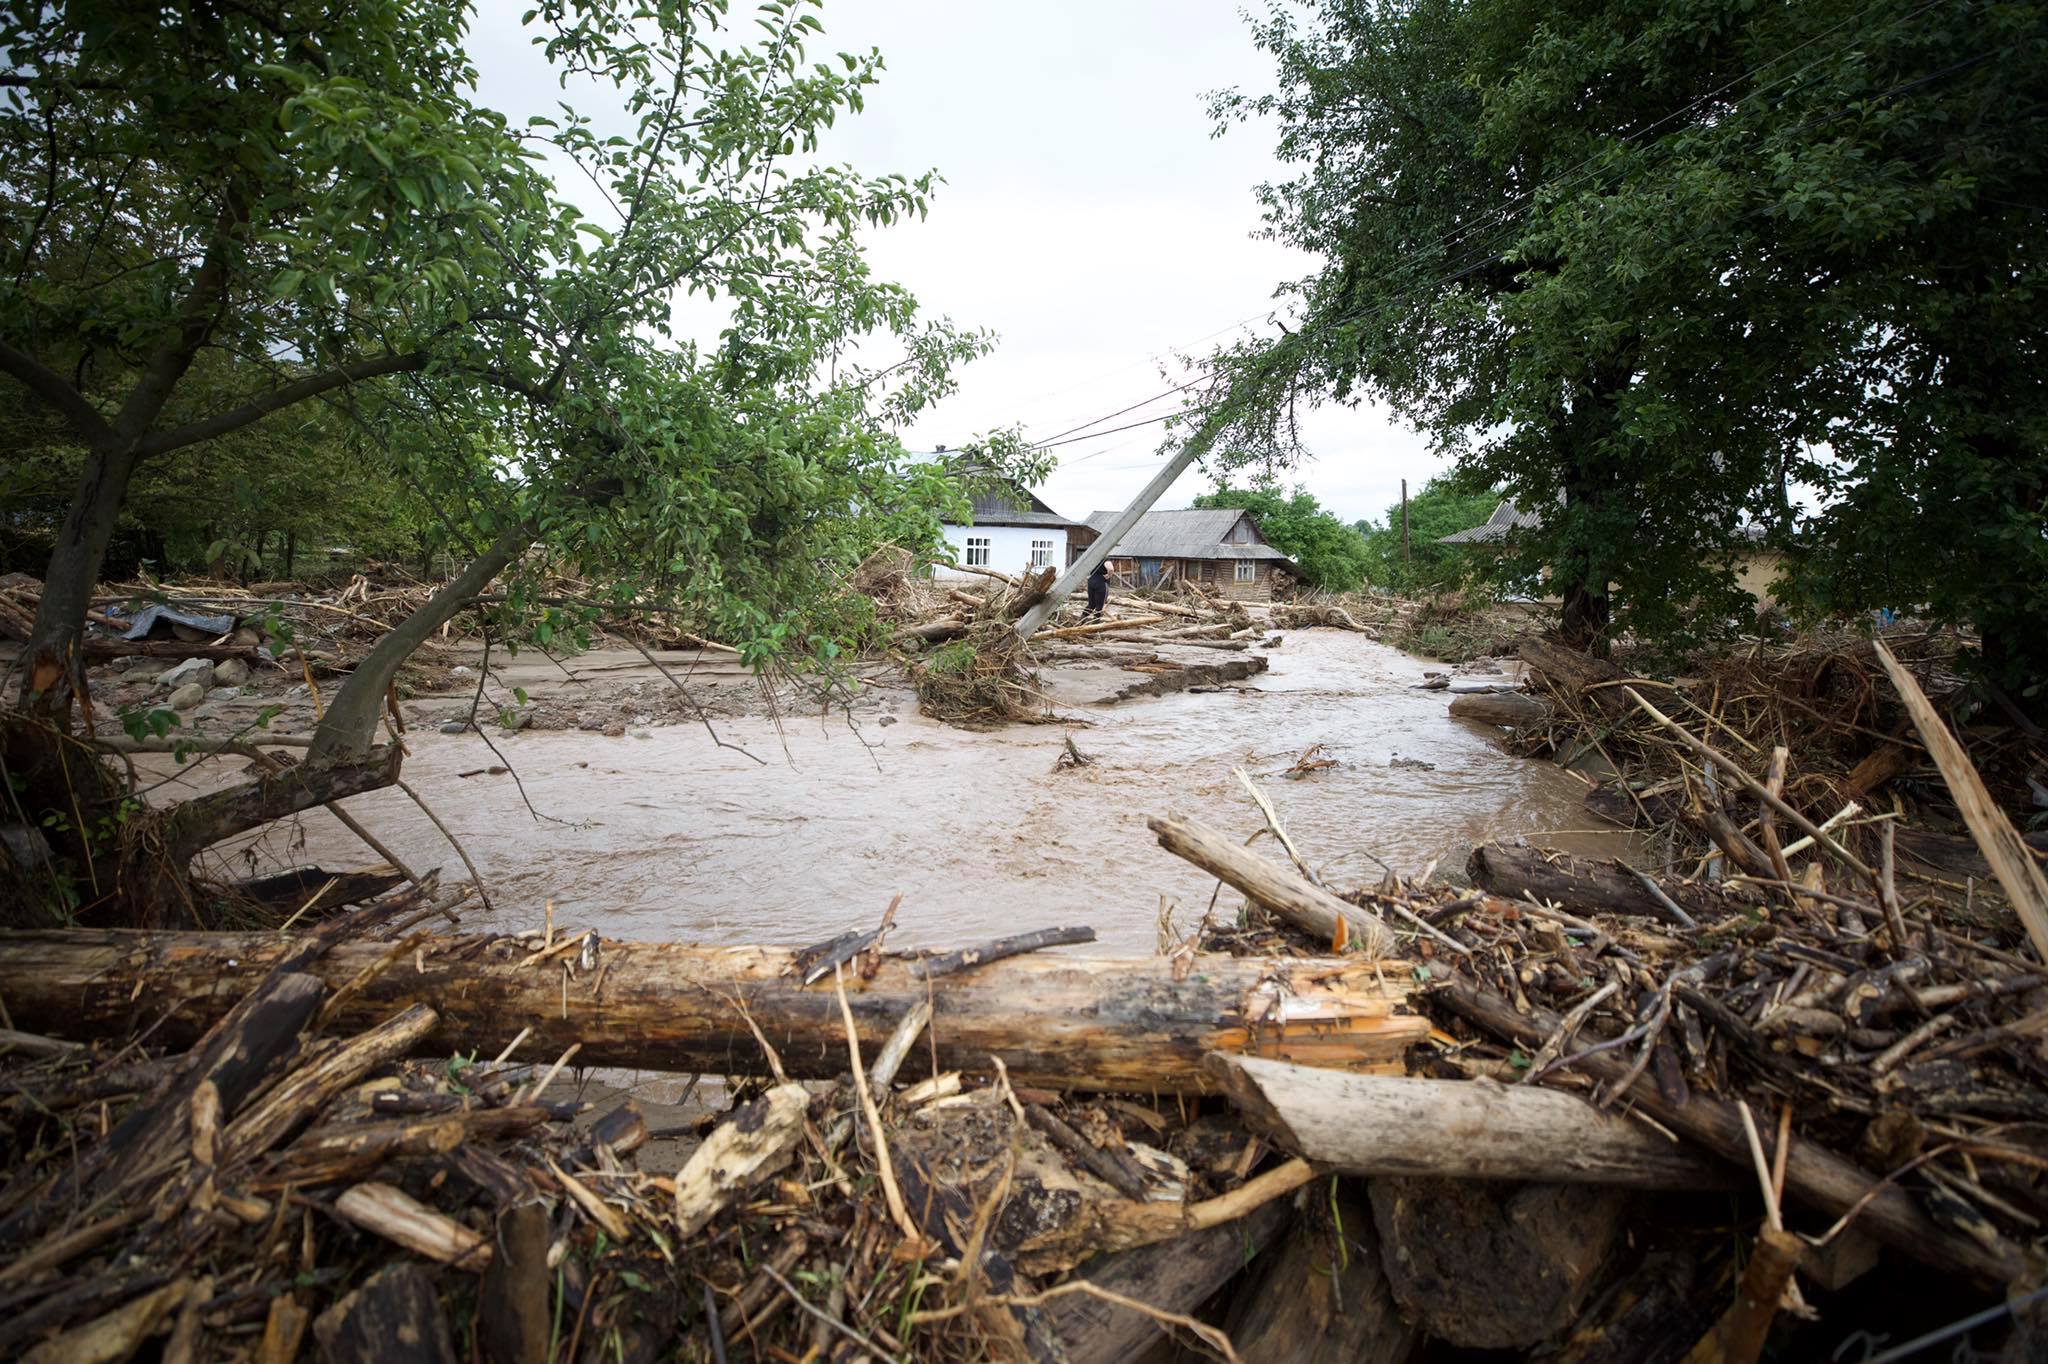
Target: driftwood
point(1814, 1176)
point(1738, 1337)
point(1453, 1247)
point(967, 958)
point(1060, 1022)
point(1174, 1276)
point(1586, 886)
point(1581, 674)
point(1308, 907)
point(1321, 1296)
point(749, 1146)
point(1461, 1129)
point(395, 1318)
point(1501, 708)
point(512, 1303)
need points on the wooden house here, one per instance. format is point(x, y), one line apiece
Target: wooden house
point(1012, 531)
point(1219, 548)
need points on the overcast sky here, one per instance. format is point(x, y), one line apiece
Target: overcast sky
point(1088, 218)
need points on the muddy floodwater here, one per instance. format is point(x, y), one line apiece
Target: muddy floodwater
point(664, 835)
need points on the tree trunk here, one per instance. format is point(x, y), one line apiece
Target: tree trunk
point(1321, 1295)
point(1177, 1276)
point(1460, 1129)
point(53, 667)
point(1585, 887)
point(1814, 1176)
point(1455, 1246)
point(349, 728)
point(1062, 1022)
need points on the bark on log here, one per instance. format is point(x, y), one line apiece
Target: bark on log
point(1309, 908)
point(1584, 887)
point(1176, 1276)
point(1573, 672)
point(1509, 708)
point(1312, 1301)
point(512, 1305)
point(1056, 1021)
point(1814, 1176)
point(395, 1318)
point(1453, 1247)
point(1460, 1129)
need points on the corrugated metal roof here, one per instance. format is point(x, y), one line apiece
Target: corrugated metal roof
point(1506, 517)
point(1195, 533)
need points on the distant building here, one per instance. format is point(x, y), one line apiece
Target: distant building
point(1219, 548)
point(1755, 566)
point(1012, 531)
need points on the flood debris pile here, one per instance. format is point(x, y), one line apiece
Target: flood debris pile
point(970, 667)
point(1568, 1111)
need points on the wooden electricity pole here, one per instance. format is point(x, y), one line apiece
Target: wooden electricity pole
point(1077, 573)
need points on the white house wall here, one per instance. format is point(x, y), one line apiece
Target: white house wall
point(1009, 547)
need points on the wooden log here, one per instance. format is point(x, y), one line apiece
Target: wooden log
point(1738, 1337)
point(1586, 887)
point(514, 1297)
point(1321, 1296)
point(1057, 1021)
point(398, 1217)
point(307, 1090)
point(1282, 890)
point(1510, 708)
point(967, 958)
point(1454, 1246)
point(1575, 673)
point(1460, 1129)
point(1174, 1276)
point(283, 1329)
point(1814, 1176)
point(395, 1318)
point(745, 1149)
point(1101, 627)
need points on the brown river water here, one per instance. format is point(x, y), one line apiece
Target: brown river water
point(667, 836)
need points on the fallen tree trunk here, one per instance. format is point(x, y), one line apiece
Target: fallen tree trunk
point(1501, 708)
point(1583, 886)
point(1056, 1022)
point(1814, 1176)
point(1308, 907)
point(1461, 1129)
point(1575, 673)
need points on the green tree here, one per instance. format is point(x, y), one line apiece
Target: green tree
point(1657, 267)
point(314, 204)
point(1439, 509)
point(1332, 554)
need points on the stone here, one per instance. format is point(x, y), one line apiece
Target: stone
point(642, 734)
point(141, 669)
point(454, 726)
point(887, 720)
point(186, 697)
point(516, 719)
point(199, 670)
point(248, 636)
point(462, 670)
point(615, 730)
point(231, 672)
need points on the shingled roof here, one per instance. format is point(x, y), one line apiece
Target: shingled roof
point(1195, 533)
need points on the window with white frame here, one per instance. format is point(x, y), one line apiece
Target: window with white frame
point(1041, 553)
point(1247, 570)
point(977, 551)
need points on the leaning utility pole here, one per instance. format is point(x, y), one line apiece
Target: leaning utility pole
point(1404, 520)
point(1077, 573)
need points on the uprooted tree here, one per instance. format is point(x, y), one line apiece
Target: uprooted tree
point(219, 216)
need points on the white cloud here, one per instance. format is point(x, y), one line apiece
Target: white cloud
point(1089, 218)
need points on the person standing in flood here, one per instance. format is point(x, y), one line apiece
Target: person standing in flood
point(1098, 591)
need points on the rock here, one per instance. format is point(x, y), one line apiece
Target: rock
point(615, 730)
point(462, 670)
point(642, 734)
point(886, 720)
point(592, 723)
point(141, 669)
point(1417, 763)
point(516, 719)
point(186, 697)
point(454, 726)
point(192, 670)
point(231, 672)
point(248, 637)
